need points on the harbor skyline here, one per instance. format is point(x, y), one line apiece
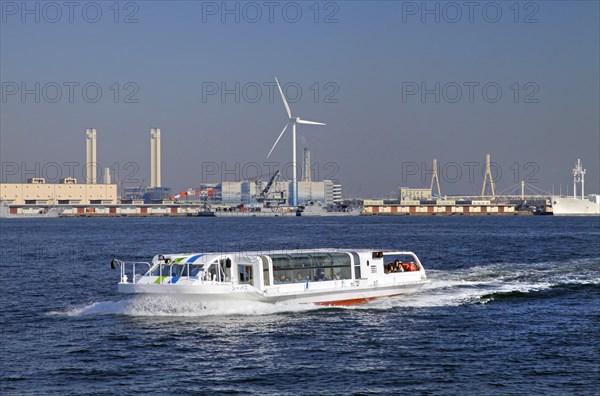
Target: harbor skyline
point(396, 86)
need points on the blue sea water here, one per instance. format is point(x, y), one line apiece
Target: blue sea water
point(513, 307)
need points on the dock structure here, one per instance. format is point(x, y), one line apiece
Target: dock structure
point(440, 207)
point(452, 206)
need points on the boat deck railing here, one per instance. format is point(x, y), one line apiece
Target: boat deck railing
point(123, 265)
point(132, 268)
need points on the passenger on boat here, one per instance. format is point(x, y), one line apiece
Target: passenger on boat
point(322, 276)
point(393, 267)
point(410, 267)
point(283, 279)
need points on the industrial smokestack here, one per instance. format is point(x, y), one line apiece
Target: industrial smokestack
point(306, 176)
point(155, 157)
point(106, 175)
point(90, 156)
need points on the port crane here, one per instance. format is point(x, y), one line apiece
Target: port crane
point(182, 194)
point(267, 197)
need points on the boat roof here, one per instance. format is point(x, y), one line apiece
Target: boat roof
point(185, 258)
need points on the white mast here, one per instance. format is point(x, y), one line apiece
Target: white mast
point(578, 177)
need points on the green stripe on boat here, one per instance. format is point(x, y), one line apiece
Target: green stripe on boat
point(159, 279)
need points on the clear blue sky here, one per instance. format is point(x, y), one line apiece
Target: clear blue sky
point(371, 55)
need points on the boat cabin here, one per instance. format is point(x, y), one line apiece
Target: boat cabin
point(272, 269)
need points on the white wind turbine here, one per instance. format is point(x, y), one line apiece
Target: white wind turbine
point(293, 121)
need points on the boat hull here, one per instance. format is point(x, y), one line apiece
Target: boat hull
point(569, 206)
point(351, 294)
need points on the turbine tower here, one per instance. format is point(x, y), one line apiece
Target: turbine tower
point(293, 121)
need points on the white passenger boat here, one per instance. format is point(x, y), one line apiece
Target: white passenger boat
point(322, 276)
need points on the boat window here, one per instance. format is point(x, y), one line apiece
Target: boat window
point(245, 273)
point(187, 269)
point(166, 269)
point(215, 272)
point(162, 269)
point(394, 263)
point(323, 260)
point(291, 268)
point(281, 262)
point(342, 273)
point(340, 260)
point(177, 269)
point(225, 265)
point(195, 269)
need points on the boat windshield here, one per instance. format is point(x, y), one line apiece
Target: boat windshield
point(176, 269)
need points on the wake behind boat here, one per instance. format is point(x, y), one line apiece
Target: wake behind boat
point(322, 276)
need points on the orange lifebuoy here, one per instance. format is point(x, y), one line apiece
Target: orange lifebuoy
point(406, 266)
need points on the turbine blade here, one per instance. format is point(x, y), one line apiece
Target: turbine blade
point(277, 141)
point(309, 122)
point(287, 107)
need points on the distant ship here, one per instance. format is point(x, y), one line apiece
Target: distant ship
point(314, 208)
point(5, 213)
point(576, 206)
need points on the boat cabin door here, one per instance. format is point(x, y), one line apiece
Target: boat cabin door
point(225, 269)
point(247, 268)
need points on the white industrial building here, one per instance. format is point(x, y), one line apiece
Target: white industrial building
point(414, 194)
point(246, 192)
